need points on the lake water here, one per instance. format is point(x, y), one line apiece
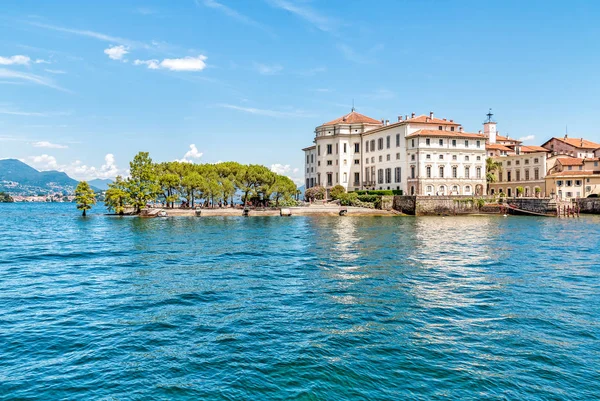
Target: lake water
point(327, 308)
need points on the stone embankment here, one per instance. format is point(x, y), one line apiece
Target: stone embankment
point(313, 210)
point(589, 205)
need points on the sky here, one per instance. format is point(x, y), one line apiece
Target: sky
point(84, 86)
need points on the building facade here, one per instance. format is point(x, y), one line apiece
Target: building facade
point(571, 147)
point(521, 167)
point(420, 155)
point(572, 177)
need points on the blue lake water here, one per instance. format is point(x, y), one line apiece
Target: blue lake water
point(303, 308)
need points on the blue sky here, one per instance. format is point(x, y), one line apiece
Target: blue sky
point(86, 85)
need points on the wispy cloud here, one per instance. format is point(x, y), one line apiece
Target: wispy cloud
point(266, 112)
point(77, 169)
point(55, 71)
point(312, 71)
point(230, 12)
point(32, 78)
point(116, 52)
point(49, 145)
point(321, 22)
point(527, 138)
point(11, 112)
point(15, 60)
point(176, 64)
point(265, 69)
point(359, 57)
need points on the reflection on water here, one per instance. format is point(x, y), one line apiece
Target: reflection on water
point(297, 308)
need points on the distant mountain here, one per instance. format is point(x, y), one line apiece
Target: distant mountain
point(100, 184)
point(17, 177)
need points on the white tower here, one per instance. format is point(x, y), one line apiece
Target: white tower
point(489, 128)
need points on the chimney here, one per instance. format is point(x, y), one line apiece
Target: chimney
point(460, 129)
point(406, 117)
point(444, 119)
point(451, 121)
point(479, 132)
point(582, 142)
point(387, 122)
point(399, 118)
point(431, 114)
point(412, 115)
point(382, 121)
point(566, 136)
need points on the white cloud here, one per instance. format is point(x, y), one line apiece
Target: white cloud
point(116, 52)
point(527, 138)
point(77, 169)
point(280, 169)
point(55, 71)
point(31, 78)
point(176, 64)
point(15, 60)
point(191, 155)
point(11, 112)
point(266, 112)
point(49, 145)
point(90, 34)
point(42, 61)
point(268, 69)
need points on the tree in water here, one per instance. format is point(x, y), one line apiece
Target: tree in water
point(84, 197)
point(116, 197)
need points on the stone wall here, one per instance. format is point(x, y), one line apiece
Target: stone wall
point(538, 205)
point(404, 204)
point(589, 205)
point(387, 202)
point(447, 205)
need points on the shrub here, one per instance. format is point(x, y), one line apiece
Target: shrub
point(368, 198)
point(317, 192)
point(348, 199)
point(337, 191)
point(520, 191)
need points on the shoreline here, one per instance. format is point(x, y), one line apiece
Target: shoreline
point(293, 211)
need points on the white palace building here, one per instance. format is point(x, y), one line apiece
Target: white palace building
point(419, 155)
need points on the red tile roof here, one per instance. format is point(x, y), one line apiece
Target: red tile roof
point(574, 172)
point(449, 134)
point(353, 118)
point(497, 146)
point(532, 149)
point(506, 139)
point(570, 161)
point(576, 142)
point(429, 120)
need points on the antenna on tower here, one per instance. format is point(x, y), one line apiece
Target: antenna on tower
point(353, 104)
point(489, 116)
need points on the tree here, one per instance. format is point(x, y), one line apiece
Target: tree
point(491, 167)
point(337, 191)
point(283, 188)
point(143, 185)
point(5, 198)
point(520, 191)
point(84, 196)
point(116, 197)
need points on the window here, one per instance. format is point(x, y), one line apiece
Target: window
point(441, 157)
point(412, 157)
point(428, 157)
point(380, 144)
point(319, 150)
point(466, 158)
point(329, 179)
point(454, 143)
point(387, 142)
point(467, 172)
point(397, 176)
point(356, 161)
point(412, 143)
point(397, 140)
point(345, 148)
point(536, 174)
point(307, 159)
point(526, 174)
point(441, 142)
point(329, 163)
point(412, 171)
point(454, 157)
point(356, 179)
point(429, 188)
point(508, 176)
point(454, 172)
point(367, 160)
point(372, 145)
point(508, 163)
point(367, 147)
point(570, 167)
point(536, 160)
point(345, 178)
point(428, 171)
point(577, 183)
point(468, 189)
point(356, 147)
point(451, 128)
point(380, 158)
point(517, 162)
point(312, 158)
point(526, 161)
point(337, 148)
point(466, 144)
point(478, 172)
point(372, 159)
point(518, 175)
point(397, 156)
point(428, 141)
point(559, 183)
point(337, 178)
point(329, 149)
point(388, 157)
point(568, 183)
point(380, 176)
point(500, 176)
point(345, 162)
point(441, 172)
point(388, 175)
point(478, 144)
point(319, 163)
point(478, 158)
point(440, 128)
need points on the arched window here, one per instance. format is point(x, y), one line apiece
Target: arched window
point(442, 190)
point(467, 190)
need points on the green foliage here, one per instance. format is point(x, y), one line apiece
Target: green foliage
point(491, 167)
point(283, 188)
point(480, 203)
point(368, 198)
point(316, 192)
point(337, 191)
point(5, 198)
point(143, 183)
point(537, 190)
point(116, 197)
point(84, 197)
point(520, 190)
point(348, 199)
